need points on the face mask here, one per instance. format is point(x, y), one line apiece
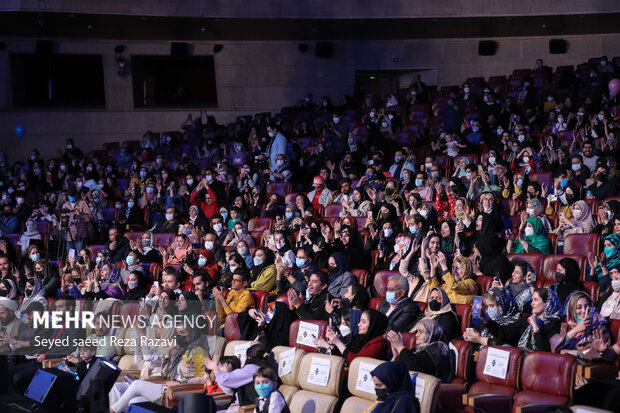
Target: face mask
point(601, 177)
point(80, 260)
point(130, 205)
point(388, 232)
point(300, 262)
point(390, 297)
point(530, 211)
point(150, 190)
point(130, 260)
point(475, 129)
point(146, 242)
point(118, 206)
point(217, 227)
point(413, 229)
point(308, 295)
point(521, 138)
point(423, 212)
point(258, 261)
point(550, 99)
point(599, 116)
point(491, 160)
point(288, 215)
point(576, 212)
point(466, 89)
point(615, 285)
point(209, 245)
point(368, 176)
point(434, 305)
point(224, 215)
point(609, 251)
point(560, 277)
point(239, 231)
point(72, 199)
point(169, 217)
point(98, 260)
point(263, 390)
point(382, 394)
point(35, 257)
point(398, 158)
point(280, 162)
point(529, 231)
point(576, 167)
point(492, 312)
point(428, 166)
point(4, 293)
point(209, 178)
point(336, 120)
point(563, 182)
point(279, 245)
point(526, 159)
point(468, 175)
point(242, 250)
point(142, 174)
point(233, 268)
point(190, 182)
point(202, 262)
point(132, 284)
point(271, 134)
point(181, 341)
point(371, 114)
point(519, 182)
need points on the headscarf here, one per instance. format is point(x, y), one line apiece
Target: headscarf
point(396, 378)
point(447, 244)
point(38, 294)
point(468, 268)
point(434, 332)
point(492, 261)
point(210, 267)
point(194, 306)
point(12, 295)
point(341, 263)
point(446, 307)
point(538, 239)
point(537, 206)
point(571, 283)
point(437, 349)
point(401, 246)
point(112, 284)
point(377, 324)
point(508, 304)
point(354, 250)
point(146, 249)
point(586, 221)
point(553, 311)
point(180, 253)
point(193, 340)
point(613, 260)
point(269, 260)
point(352, 220)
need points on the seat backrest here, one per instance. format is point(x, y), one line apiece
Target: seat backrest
point(515, 358)
point(256, 223)
point(164, 238)
point(260, 299)
point(302, 332)
point(328, 384)
point(332, 210)
point(129, 312)
point(485, 282)
point(550, 263)
point(535, 260)
point(375, 303)
point(231, 328)
point(361, 276)
point(464, 351)
point(581, 243)
point(360, 383)
point(380, 281)
point(549, 373)
point(593, 289)
point(426, 391)
point(238, 348)
point(291, 378)
point(280, 188)
point(464, 313)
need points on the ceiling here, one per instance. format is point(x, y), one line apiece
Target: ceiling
point(109, 26)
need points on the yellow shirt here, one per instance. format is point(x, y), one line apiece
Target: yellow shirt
point(238, 301)
point(459, 292)
point(266, 281)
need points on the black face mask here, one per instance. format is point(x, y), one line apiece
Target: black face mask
point(4, 293)
point(434, 305)
point(382, 394)
point(560, 277)
point(601, 177)
point(28, 293)
point(333, 269)
point(181, 341)
point(39, 274)
point(80, 260)
point(570, 197)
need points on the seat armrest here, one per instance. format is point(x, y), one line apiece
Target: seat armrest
point(451, 395)
point(156, 379)
point(48, 363)
point(246, 409)
point(121, 377)
point(597, 371)
point(489, 402)
point(534, 408)
point(176, 392)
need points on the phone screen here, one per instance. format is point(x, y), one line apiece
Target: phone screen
point(477, 307)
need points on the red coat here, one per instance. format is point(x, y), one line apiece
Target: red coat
point(208, 209)
point(376, 348)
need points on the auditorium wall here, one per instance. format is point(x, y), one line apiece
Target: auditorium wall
point(262, 76)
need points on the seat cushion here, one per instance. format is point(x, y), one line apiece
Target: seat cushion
point(482, 387)
point(305, 401)
point(533, 397)
point(288, 392)
point(355, 405)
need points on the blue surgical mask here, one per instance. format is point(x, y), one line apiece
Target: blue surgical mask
point(413, 229)
point(72, 198)
point(288, 215)
point(419, 182)
point(202, 262)
point(519, 182)
point(300, 262)
point(609, 251)
point(576, 167)
point(132, 284)
point(150, 190)
point(263, 390)
point(563, 182)
point(35, 257)
point(492, 312)
point(368, 175)
point(398, 158)
point(390, 297)
point(130, 205)
point(130, 260)
point(224, 215)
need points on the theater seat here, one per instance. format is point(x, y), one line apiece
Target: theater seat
point(362, 276)
point(290, 381)
point(317, 398)
point(464, 361)
point(464, 313)
point(426, 391)
point(547, 378)
point(234, 347)
point(360, 385)
point(593, 289)
point(550, 264)
point(380, 281)
point(485, 282)
point(280, 188)
point(491, 384)
point(164, 238)
point(260, 299)
point(375, 303)
point(254, 224)
point(231, 328)
point(535, 260)
point(294, 330)
point(332, 210)
point(581, 244)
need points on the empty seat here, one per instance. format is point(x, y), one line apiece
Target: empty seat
point(302, 332)
point(332, 210)
point(289, 374)
point(426, 391)
point(487, 383)
point(164, 239)
point(360, 385)
point(322, 397)
point(581, 244)
point(260, 224)
point(535, 260)
point(280, 188)
point(362, 276)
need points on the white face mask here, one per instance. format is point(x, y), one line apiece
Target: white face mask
point(239, 232)
point(615, 285)
point(577, 213)
point(529, 231)
point(423, 212)
point(344, 330)
point(492, 160)
point(217, 227)
point(209, 245)
point(530, 211)
point(526, 159)
point(169, 217)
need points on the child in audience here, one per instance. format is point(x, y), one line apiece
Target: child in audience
point(226, 363)
point(269, 399)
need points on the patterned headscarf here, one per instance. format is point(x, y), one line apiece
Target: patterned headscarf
point(467, 266)
point(553, 311)
point(401, 246)
point(613, 260)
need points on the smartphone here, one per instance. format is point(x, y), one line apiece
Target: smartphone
point(71, 254)
point(533, 277)
point(336, 302)
point(156, 284)
point(477, 307)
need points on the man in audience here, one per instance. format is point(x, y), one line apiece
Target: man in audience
point(239, 298)
point(117, 244)
point(320, 195)
point(601, 186)
point(401, 311)
point(313, 307)
point(169, 224)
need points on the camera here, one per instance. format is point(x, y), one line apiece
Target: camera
point(64, 218)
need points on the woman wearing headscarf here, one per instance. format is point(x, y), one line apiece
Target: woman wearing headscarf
point(177, 252)
point(146, 245)
point(189, 304)
point(290, 213)
point(611, 257)
point(137, 286)
point(390, 260)
point(264, 272)
point(104, 282)
point(431, 354)
point(567, 198)
point(197, 218)
point(206, 262)
point(368, 342)
point(240, 233)
point(349, 242)
point(358, 206)
point(185, 364)
point(8, 289)
point(582, 221)
point(583, 322)
point(30, 234)
point(605, 221)
point(451, 241)
point(501, 311)
point(429, 214)
point(534, 208)
point(492, 262)
point(271, 332)
point(33, 292)
point(339, 276)
point(439, 309)
point(459, 285)
point(533, 239)
point(395, 393)
point(274, 207)
point(520, 285)
point(544, 322)
point(609, 302)
point(567, 274)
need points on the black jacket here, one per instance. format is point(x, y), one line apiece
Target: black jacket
point(403, 317)
point(314, 309)
point(121, 251)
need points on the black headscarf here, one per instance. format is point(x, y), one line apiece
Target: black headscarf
point(354, 250)
point(400, 396)
point(341, 264)
point(571, 283)
point(194, 306)
point(378, 323)
point(493, 262)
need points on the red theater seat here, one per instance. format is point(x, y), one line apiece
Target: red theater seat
point(260, 299)
point(484, 281)
point(265, 223)
point(535, 260)
point(380, 281)
point(332, 210)
point(231, 328)
point(464, 313)
point(164, 239)
point(581, 244)
point(280, 188)
point(491, 384)
point(362, 276)
point(292, 337)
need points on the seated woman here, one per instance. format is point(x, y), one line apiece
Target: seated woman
point(543, 323)
point(534, 208)
point(30, 236)
point(521, 285)
point(104, 282)
point(460, 287)
point(492, 262)
point(358, 207)
point(567, 274)
point(395, 393)
point(68, 285)
point(440, 310)
point(582, 322)
point(339, 276)
point(389, 260)
point(8, 289)
point(532, 239)
point(610, 259)
point(582, 221)
point(177, 252)
point(183, 364)
point(431, 354)
point(264, 272)
point(450, 238)
point(501, 311)
point(241, 380)
point(368, 342)
point(146, 246)
point(610, 302)
point(349, 242)
point(240, 233)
